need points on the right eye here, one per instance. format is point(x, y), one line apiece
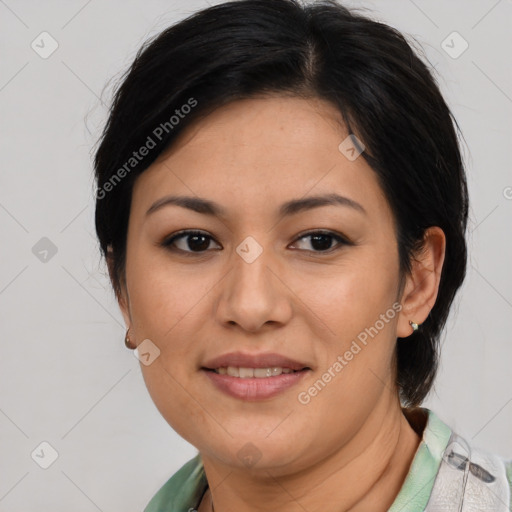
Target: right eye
point(191, 241)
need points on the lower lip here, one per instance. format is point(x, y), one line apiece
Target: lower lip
point(252, 389)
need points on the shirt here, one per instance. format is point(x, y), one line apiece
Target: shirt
point(447, 474)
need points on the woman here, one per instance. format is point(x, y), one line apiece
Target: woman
point(282, 205)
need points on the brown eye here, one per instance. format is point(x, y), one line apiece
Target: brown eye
point(188, 241)
point(321, 241)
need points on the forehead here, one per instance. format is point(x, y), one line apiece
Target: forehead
point(274, 128)
point(272, 148)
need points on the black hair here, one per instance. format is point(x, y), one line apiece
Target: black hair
point(384, 92)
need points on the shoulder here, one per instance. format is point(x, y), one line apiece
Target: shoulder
point(450, 474)
point(183, 491)
point(470, 478)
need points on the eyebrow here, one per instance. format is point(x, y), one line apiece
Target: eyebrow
point(207, 207)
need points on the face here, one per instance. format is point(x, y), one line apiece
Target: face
point(315, 283)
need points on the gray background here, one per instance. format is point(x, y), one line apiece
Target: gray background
point(66, 377)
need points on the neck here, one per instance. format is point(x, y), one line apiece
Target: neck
point(365, 474)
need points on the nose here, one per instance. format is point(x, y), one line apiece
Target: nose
point(254, 292)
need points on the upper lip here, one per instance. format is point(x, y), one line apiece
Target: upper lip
point(263, 360)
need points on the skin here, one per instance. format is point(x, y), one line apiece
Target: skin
point(350, 447)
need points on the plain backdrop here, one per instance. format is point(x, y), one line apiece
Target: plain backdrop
point(66, 377)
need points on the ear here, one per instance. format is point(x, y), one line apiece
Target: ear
point(422, 285)
point(121, 294)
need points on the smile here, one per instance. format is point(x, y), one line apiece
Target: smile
point(254, 384)
point(247, 373)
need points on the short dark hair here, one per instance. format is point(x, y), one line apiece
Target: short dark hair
point(386, 95)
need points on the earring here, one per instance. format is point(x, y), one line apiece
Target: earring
point(128, 341)
point(414, 326)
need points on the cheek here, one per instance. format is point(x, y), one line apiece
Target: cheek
point(355, 319)
point(350, 296)
point(166, 308)
point(162, 293)
point(178, 404)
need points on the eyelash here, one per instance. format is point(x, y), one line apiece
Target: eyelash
point(168, 242)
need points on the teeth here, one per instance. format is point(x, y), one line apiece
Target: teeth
point(247, 373)
point(233, 372)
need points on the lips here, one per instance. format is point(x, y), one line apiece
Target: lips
point(262, 360)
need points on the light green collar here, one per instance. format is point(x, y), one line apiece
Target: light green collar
point(417, 487)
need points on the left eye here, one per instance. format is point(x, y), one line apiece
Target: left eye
point(199, 242)
point(321, 241)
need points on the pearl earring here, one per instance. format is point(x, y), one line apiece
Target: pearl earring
point(414, 326)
